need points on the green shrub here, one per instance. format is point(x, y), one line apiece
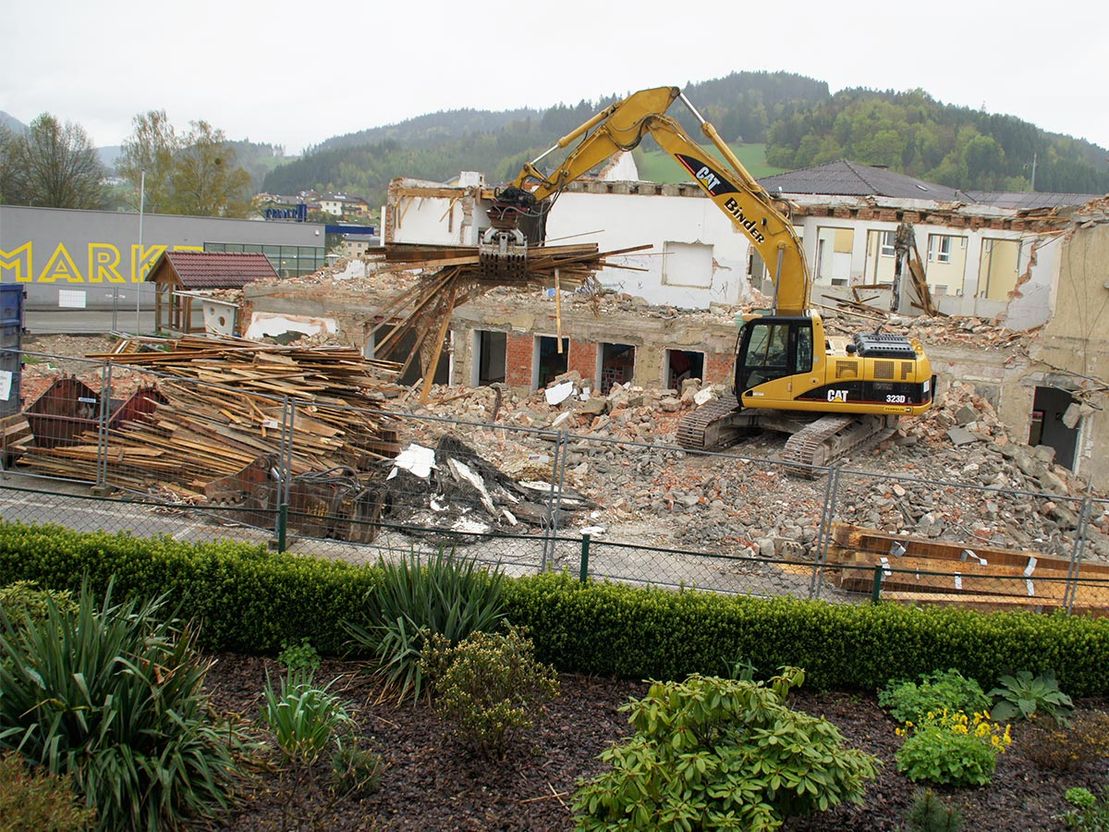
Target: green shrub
point(305, 719)
point(23, 599)
point(1090, 814)
point(1022, 695)
point(930, 814)
point(112, 695)
point(37, 801)
point(299, 657)
point(249, 600)
point(943, 689)
point(488, 686)
point(951, 748)
point(356, 770)
point(712, 753)
point(445, 595)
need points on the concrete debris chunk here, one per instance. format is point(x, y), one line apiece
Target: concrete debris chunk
point(961, 436)
point(559, 393)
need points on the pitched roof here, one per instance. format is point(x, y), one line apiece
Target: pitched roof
point(1024, 201)
point(844, 178)
point(215, 269)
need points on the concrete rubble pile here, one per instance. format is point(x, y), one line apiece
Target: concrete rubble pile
point(657, 494)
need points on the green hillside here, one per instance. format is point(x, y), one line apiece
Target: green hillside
point(657, 166)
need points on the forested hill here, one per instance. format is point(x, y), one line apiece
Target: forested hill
point(915, 134)
point(437, 146)
point(797, 117)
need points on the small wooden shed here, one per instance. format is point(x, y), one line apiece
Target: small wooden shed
point(191, 271)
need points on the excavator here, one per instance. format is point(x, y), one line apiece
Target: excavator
point(829, 393)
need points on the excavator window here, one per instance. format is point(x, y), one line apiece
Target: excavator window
point(773, 349)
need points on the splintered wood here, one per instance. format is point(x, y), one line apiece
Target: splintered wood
point(221, 408)
point(424, 312)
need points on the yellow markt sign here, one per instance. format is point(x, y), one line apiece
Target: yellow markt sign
point(103, 263)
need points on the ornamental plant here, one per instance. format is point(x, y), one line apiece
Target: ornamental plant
point(937, 691)
point(952, 748)
point(34, 800)
point(112, 696)
point(711, 753)
point(488, 687)
point(1024, 695)
point(445, 595)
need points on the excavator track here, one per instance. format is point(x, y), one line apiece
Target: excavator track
point(710, 425)
point(830, 437)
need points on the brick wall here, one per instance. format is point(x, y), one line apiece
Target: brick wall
point(719, 367)
point(583, 358)
point(518, 350)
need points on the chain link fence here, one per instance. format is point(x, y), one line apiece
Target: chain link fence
point(221, 463)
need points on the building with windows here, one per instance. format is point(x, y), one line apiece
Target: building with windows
point(96, 252)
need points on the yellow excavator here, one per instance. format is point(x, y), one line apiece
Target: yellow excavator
point(829, 393)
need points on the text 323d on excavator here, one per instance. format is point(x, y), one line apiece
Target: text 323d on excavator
point(829, 393)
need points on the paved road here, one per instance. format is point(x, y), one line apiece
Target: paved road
point(85, 321)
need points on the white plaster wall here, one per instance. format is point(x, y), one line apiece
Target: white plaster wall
point(426, 220)
point(623, 169)
point(1036, 302)
point(623, 220)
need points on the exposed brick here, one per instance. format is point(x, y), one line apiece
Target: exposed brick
point(719, 367)
point(519, 349)
point(583, 358)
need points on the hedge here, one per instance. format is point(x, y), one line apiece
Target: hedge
point(251, 600)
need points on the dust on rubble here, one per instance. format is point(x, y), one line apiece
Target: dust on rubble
point(621, 455)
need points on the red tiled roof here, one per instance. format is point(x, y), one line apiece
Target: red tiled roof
point(215, 269)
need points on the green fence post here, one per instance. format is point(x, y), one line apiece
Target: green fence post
point(876, 589)
point(282, 525)
point(583, 572)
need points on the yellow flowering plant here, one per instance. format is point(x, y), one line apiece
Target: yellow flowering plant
point(952, 747)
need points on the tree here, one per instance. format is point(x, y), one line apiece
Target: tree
point(152, 149)
point(195, 173)
point(53, 165)
point(207, 181)
point(7, 147)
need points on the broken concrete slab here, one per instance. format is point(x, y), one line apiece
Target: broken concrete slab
point(961, 436)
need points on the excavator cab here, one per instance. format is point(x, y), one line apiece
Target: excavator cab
point(773, 347)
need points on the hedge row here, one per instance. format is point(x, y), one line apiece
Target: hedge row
point(251, 600)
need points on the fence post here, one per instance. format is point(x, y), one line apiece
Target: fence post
point(101, 487)
point(583, 569)
point(823, 537)
point(284, 473)
point(876, 589)
point(554, 501)
point(1075, 566)
point(282, 525)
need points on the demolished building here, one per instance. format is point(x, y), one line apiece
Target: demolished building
point(1025, 279)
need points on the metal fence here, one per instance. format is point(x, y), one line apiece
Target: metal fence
point(533, 499)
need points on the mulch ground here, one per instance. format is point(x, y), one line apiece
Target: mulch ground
point(429, 782)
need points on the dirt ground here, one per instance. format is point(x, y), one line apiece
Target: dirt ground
point(430, 783)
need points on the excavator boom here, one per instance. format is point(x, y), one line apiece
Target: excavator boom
point(622, 126)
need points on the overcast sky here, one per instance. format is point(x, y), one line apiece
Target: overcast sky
point(295, 73)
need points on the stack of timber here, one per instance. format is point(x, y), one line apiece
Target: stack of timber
point(923, 571)
point(218, 405)
point(454, 277)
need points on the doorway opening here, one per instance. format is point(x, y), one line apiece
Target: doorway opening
point(1048, 428)
point(683, 364)
point(549, 362)
point(489, 349)
point(617, 365)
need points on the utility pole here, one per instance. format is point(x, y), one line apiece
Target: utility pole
point(1033, 172)
point(138, 287)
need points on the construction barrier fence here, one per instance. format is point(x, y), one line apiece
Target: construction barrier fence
point(529, 499)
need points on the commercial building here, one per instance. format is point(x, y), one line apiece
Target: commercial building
point(87, 255)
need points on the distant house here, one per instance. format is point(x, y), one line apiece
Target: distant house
point(339, 204)
point(180, 275)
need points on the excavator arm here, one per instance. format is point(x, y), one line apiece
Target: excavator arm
point(622, 126)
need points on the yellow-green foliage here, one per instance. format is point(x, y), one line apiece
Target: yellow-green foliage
point(23, 599)
point(34, 800)
point(250, 600)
